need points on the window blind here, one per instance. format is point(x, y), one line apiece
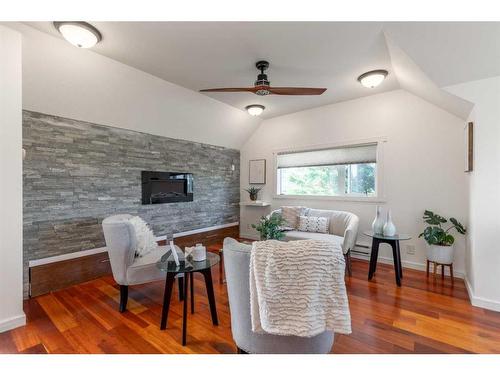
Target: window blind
point(358, 154)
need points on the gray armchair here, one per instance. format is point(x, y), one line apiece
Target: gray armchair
point(128, 270)
point(237, 264)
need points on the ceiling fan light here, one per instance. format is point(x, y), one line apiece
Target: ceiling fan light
point(373, 78)
point(80, 34)
point(255, 109)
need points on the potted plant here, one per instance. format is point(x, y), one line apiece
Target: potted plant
point(270, 227)
point(440, 241)
point(253, 191)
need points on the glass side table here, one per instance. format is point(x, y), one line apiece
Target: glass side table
point(187, 268)
point(377, 239)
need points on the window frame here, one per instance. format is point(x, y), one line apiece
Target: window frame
point(379, 178)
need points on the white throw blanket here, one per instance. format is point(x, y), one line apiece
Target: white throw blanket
point(297, 288)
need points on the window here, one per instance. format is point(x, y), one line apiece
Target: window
point(349, 171)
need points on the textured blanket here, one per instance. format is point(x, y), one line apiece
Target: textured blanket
point(297, 288)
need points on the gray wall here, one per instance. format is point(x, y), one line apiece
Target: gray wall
point(77, 173)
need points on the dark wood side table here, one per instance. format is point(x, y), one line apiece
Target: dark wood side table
point(188, 268)
point(377, 239)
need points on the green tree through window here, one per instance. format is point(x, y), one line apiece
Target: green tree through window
point(330, 180)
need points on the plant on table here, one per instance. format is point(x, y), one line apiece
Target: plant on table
point(439, 239)
point(270, 227)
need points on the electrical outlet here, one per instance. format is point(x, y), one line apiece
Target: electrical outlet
point(410, 249)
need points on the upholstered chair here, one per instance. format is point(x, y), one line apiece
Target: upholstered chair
point(237, 268)
point(128, 270)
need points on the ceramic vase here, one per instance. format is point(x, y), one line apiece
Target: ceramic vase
point(440, 254)
point(378, 223)
point(389, 227)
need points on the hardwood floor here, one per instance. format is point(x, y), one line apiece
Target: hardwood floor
point(423, 316)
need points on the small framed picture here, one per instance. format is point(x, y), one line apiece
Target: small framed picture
point(257, 171)
point(469, 147)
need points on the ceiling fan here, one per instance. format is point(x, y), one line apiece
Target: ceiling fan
point(263, 87)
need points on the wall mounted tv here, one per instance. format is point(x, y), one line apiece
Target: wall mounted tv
point(166, 187)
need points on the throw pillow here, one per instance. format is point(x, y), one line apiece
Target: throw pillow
point(291, 215)
point(314, 224)
point(145, 238)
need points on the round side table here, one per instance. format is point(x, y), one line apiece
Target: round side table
point(187, 268)
point(377, 239)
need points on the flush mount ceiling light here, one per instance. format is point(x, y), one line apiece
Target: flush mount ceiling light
point(80, 34)
point(255, 109)
point(373, 78)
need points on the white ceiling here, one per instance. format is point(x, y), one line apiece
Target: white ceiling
point(200, 55)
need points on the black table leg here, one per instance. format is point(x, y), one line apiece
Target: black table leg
point(192, 291)
point(181, 288)
point(184, 310)
point(397, 261)
point(399, 258)
point(210, 293)
point(373, 258)
point(123, 297)
point(169, 283)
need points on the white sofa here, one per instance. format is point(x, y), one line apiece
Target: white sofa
point(343, 230)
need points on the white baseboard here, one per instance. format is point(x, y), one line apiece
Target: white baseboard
point(11, 323)
point(79, 254)
point(59, 258)
point(408, 264)
point(201, 230)
point(479, 301)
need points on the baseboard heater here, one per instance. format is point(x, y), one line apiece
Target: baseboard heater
point(362, 249)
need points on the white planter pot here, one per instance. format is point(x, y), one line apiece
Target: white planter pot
point(440, 254)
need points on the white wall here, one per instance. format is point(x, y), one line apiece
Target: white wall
point(483, 257)
point(11, 249)
point(412, 79)
point(62, 80)
point(423, 161)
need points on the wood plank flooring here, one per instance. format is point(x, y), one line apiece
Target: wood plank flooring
point(423, 316)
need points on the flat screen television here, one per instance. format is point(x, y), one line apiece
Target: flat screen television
point(166, 187)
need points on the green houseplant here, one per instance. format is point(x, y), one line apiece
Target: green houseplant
point(269, 227)
point(440, 240)
point(253, 191)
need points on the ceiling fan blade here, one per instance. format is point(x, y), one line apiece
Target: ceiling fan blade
point(231, 89)
point(296, 90)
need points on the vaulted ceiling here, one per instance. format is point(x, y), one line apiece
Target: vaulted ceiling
point(199, 55)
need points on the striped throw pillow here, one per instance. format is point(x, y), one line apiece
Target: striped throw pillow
point(291, 215)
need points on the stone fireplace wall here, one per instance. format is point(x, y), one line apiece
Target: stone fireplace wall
point(77, 173)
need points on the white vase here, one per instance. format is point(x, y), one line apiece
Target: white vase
point(378, 223)
point(389, 227)
point(440, 254)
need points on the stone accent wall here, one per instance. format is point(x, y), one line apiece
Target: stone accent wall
point(77, 173)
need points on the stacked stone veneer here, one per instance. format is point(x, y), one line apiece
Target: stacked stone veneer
point(77, 173)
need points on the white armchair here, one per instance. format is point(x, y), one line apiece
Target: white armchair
point(128, 270)
point(237, 268)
